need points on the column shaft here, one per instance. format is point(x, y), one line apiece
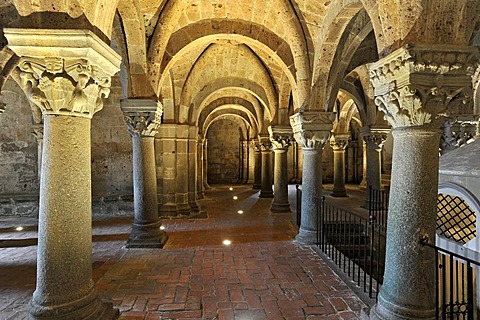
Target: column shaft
point(311, 191)
point(266, 190)
point(257, 183)
point(146, 231)
point(64, 288)
point(409, 294)
point(280, 197)
point(339, 173)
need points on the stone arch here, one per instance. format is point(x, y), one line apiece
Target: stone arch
point(334, 53)
point(232, 96)
point(398, 23)
point(177, 18)
point(235, 104)
point(227, 111)
point(133, 27)
point(241, 84)
point(346, 113)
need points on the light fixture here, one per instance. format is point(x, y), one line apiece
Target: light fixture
point(19, 228)
point(235, 198)
point(230, 188)
point(240, 211)
point(227, 242)
point(162, 227)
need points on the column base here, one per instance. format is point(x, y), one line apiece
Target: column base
point(280, 207)
point(306, 236)
point(147, 236)
point(395, 312)
point(86, 308)
point(256, 186)
point(266, 194)
point(339, 194)
point(200, 195)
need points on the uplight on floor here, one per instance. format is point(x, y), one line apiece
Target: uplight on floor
point(240, 211)
point(227, 242)
point(19, 228)
point(235, 198)
point(162, 227)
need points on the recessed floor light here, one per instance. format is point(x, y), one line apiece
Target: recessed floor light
point(162, 227)
point(235, 198)
point(19, 228)
point(227, 242)
point(230, 188)
point(240, 211)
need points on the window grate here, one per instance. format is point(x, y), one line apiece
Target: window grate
point(455, 219)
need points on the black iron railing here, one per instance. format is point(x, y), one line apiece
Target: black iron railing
point(378, 204)
point(355, 244)
point(454, 285)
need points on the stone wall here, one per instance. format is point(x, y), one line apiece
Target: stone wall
point(223, 152)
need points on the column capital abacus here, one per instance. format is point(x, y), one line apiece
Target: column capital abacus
point(312, 129)
point(281, 137)
point(64, 72)
point(418, 85)
point(142, 116)
point(339, 141)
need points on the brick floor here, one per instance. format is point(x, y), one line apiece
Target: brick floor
point(263, 274)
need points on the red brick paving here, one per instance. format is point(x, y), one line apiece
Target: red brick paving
point(262, 275)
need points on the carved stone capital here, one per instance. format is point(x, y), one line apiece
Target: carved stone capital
point(375, 137)
point(255, 144)
point(339, 141)
point(142, 116)
point(280, 136)
point(265, 144)
point(312, 129)
point(64, 71)
point(420, 85)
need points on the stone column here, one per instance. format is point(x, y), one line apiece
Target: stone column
point(312, 131)
point(200, 186)
point(192, 169)
point(143, 117)
point(374, 139)
point(339, 143)
point(166, 148)
point(257, 183)
point(415, 86)
point(363, 184)
point(205, 165)
point(66, 73)
point(280, 136)
point(266, 190)
point(246, 158)
point(38, 133)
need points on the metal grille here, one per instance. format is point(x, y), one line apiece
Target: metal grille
point(455, 219)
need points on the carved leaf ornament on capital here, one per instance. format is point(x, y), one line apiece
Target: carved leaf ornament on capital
point(418, 85)
point(64, 86)
point(312, 129)
point(144, 124)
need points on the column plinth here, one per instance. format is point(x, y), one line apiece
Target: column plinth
point(266, 190)
point(312, 131)
point(339, 143)
point(416, 87)
point(280, 137)
point(66, 73)
point(143, 118)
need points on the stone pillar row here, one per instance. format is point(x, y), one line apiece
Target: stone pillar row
point(143, 118)
point(312, 131)
point(257, 182)
point(280, 137)
point(68, 89)
point(416, 86)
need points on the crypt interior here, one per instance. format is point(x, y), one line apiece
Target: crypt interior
point(135, 135)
